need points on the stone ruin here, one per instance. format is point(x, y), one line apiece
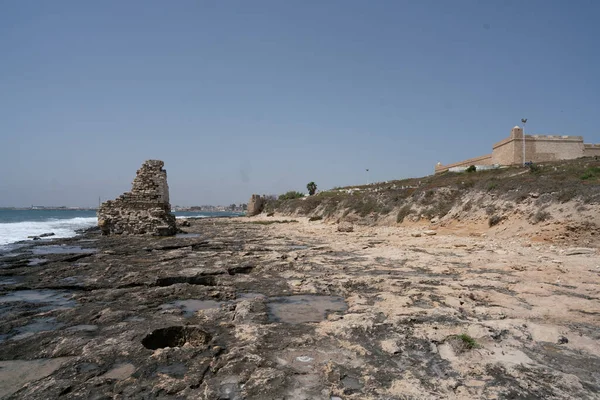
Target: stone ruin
point(143, 210)
point(255, 205)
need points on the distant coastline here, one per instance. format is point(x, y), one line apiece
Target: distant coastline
point(231, 208)
point(49, 208)
point(21, 223)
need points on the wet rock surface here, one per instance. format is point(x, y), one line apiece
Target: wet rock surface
point(238, 310)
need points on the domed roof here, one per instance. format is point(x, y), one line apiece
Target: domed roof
point(517, 127)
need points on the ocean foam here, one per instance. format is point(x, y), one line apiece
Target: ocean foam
point(15, 231)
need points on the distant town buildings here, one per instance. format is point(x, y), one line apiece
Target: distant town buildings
point(538, 148)
point(209, 208)
point(54, 208)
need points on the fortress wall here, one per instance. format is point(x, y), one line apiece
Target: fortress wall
point(591, 150)
point(541, 148)
point(538, 148)
point(481, 160)
point(504, 152)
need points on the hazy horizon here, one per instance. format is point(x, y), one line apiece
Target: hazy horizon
point(263, 97)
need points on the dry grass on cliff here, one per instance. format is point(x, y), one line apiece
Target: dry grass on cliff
point(436, 195)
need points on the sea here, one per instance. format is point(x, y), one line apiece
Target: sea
point(17, 225)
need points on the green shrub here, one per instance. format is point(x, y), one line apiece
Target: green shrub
point(494, 220)
point(309, 204)
point(365, 207)
point(491, 209)
point(468, 341)
point(292, 194)
point(535, 169)
point(541, 216)
point(272, 205)
point(428, 198)
point(316, 218)
point(312, 188)
point(590, 173)
point(471, 168)
point(439, 209)
point(566, 195)
point(403, 213)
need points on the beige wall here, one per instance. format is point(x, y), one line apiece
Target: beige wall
point(538, 148)
point(591, 150)
point(504, 152)
point(481, 160)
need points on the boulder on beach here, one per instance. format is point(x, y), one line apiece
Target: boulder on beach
point(183, 223)
point(143, 210)
point(345, 226)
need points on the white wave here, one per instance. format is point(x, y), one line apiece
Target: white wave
point(62, 228)
point(190, 216)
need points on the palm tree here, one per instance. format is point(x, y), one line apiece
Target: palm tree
point(312, 188)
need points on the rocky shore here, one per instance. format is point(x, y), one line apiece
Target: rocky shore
point(272, 308)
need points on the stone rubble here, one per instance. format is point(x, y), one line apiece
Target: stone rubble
point(143, 210)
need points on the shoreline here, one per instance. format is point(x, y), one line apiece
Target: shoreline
point(299, 310)
point(18, 232)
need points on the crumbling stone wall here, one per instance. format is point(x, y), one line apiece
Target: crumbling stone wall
point(255, 205)
point(143, 210)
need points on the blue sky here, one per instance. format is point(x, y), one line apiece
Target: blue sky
point(241, 97)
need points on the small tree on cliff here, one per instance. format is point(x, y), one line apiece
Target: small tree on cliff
point(312, 188)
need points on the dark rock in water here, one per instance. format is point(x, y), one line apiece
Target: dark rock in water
point(91, 229)
point(43, 235)
point(143, 210)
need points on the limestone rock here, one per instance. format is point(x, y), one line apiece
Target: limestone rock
point(579, 250)
point(345, 226)
point(143, 210)
point(255, 205)
point(183, 222)
point(430, 233)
